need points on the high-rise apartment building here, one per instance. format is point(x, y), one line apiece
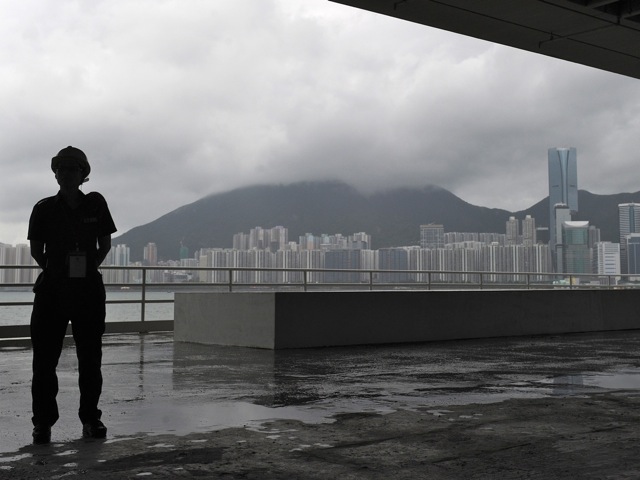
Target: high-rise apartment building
point(512, 231)
point(309, 241)
point(393, 259)
point(342, 259)
point(606, 256)
point(594, 235)
point(629, 222)
point(563, 189)
point(258, 239)
point(561, 215)
point(488, 238)
point(117, 256)
point(150, 258)
point(457, 237)
point(150, 254)
point(431, 236)
point(23, 257)
point(278, 238)
point(272, 239)
point(7, 257)
point(633, 254)
point(18, 255)
point(360, 241)
point(529, 237)
point(241, 241)
point(576, 251)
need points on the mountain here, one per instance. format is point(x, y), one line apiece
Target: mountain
point(392, 217)
point(600, 210)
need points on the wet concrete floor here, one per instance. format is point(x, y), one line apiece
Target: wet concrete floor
point(496, 408)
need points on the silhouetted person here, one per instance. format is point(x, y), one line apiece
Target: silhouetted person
point(70, 235)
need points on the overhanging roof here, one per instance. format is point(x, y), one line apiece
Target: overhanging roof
point(604, 34)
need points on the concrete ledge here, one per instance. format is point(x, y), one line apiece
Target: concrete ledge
point(147, 326)
point(278, 320)
point(10, 332)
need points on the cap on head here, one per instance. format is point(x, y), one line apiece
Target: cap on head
point(74, 153)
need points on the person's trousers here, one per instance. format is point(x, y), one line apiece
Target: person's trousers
point(81, 302)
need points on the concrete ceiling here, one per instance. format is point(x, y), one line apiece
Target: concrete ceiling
point(604, 34)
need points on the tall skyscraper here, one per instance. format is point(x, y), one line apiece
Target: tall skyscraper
point(629, 221)
point(563, 189)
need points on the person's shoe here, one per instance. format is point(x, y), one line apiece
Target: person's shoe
point(95, 429)
point(41, 434)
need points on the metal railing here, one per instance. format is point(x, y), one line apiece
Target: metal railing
point(146, 279)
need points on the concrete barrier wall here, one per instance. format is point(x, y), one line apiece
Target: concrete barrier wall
point(225, 318)
point(278, 320)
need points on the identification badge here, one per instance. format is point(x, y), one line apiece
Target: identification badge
point(77, 265)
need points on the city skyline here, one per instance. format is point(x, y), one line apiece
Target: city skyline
point(573, 247)
point(514, 251)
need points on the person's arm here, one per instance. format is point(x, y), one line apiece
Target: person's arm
point(37, 252)
point(104, 245)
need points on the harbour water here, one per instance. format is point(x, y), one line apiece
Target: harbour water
point(116, 312)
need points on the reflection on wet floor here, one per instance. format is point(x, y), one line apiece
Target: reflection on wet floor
point(155, 386)
point(622, 380)
point(625, 379)
point(404, 376)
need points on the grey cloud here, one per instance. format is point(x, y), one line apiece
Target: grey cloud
point(174, 101)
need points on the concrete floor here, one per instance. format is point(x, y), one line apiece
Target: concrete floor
point(173, 409)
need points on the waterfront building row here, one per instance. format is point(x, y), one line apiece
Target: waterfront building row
point(400, 261)
point(17, 255)
point(277, 238)
point(461, 257)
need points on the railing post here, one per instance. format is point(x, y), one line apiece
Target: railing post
point(144, 294)
point(230, 279)
point(304, 280)
point(370, 280)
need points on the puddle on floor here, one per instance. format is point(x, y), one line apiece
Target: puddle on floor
point(14, 458)
point(176, 417)
point(624, 380)
point(628, 379)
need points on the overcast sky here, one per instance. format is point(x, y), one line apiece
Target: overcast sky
point(173, 100)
